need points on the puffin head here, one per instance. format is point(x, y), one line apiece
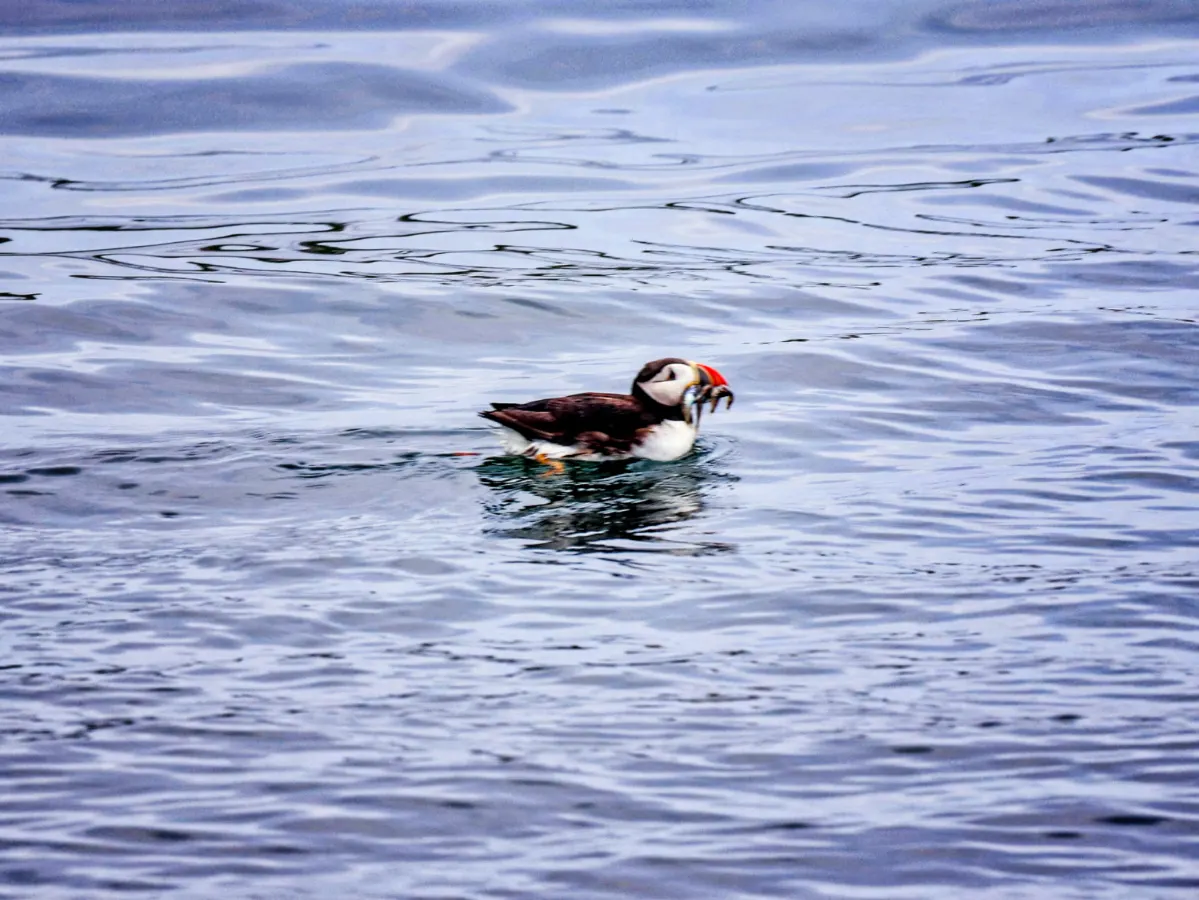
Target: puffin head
point(682, 385)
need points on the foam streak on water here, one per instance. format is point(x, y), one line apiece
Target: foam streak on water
point(920, 616)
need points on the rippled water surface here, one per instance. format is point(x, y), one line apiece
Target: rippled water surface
point(917, 619)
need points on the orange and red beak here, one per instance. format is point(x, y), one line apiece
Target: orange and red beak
point(709, 376)
point(711, 388)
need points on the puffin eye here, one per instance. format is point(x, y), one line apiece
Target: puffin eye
point(670, 377)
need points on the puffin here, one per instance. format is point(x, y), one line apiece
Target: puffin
point(657, 420)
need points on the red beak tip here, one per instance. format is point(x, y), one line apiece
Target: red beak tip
point(716, 377)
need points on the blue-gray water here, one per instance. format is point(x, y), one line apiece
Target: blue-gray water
point(920, 617)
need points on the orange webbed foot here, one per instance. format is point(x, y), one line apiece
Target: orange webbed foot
point(556, 466)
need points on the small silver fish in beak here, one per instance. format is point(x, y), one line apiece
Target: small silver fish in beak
point(710, 387)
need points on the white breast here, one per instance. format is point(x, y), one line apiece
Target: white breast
point(666, 441)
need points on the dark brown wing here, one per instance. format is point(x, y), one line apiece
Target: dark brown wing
point(535, 424)
point(596, 417)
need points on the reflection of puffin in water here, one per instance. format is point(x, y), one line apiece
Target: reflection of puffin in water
point(657, 420)
point(600, 508)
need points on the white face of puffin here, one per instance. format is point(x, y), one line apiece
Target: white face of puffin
point(671, 382)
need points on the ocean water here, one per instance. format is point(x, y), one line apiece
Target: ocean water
point(919, 618)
